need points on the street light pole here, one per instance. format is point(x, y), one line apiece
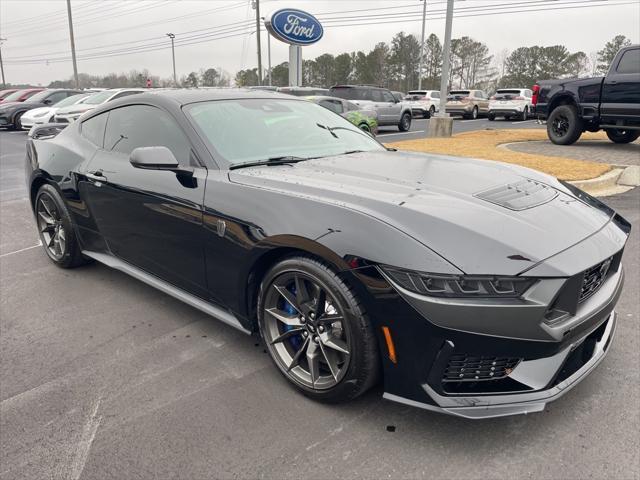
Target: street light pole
point(424, 21)
point(73, 45)
point(173, 57)
point(446, 51)
point(257, 7)
point(1, 64)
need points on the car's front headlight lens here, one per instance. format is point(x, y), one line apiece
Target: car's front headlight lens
point(471, 286)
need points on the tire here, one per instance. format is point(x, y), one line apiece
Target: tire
point(316, 337)
point(56, 229)
point(491, 117)
point(564, 125)
point(525, 114)
point(16, 125)
point(365, 128)
point(474, 113)
point(405, 122)
point(620, 135)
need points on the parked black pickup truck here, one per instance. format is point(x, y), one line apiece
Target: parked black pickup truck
point(610, 103)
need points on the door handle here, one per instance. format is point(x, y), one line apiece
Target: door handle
point(96, 176)
point(613, 82)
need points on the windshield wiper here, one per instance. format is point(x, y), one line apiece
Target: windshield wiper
point(332, 130)
point(282, 160)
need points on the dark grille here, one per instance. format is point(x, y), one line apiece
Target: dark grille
point(594, 278)
point(468, 368)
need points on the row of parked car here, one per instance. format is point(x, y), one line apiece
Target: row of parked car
point(24, 108)
point(391, 108)
point(367, 107)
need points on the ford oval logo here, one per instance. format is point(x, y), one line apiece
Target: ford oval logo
point(295, 27)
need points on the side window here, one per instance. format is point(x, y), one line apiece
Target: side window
point(136, 126)
point(332, 105)
point(56, 97)
point(352, 107)
point(527, 93)
point(388, 97)
point(435, 94)
point(93, 129)
point(630, 62)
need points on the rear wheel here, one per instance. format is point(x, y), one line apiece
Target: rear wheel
point(405, 122)
point(56, 229)
point(525, 114)
point(491, 117)
point(364, 127)
point(316, 331)
point(620, 135)
point(564, 125)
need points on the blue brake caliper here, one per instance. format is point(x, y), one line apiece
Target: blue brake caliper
point(295, 341)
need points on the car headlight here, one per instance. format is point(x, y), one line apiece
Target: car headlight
point(472, 286)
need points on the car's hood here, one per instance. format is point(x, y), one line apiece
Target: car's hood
point(37, 112)
point(71, 109)
point(435, 200)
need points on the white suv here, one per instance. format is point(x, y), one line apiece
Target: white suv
point(424, 103)
point(510, 102)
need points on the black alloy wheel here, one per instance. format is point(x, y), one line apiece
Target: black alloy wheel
point(564, 125)
point(405, 122)
point(316, 331)
point(55, 229)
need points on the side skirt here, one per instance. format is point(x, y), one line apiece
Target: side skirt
point(214, 311)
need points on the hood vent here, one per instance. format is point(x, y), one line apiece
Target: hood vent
point(520, 195)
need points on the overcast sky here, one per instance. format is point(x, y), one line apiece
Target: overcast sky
point(37, 31)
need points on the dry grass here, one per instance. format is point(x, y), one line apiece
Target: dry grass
point(484, 144)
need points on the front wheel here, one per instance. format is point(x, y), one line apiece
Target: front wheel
point(491, 117)
point(620, 135)
point(405, 122)
point(316, 330)
point(56, 229)
point(564, 125)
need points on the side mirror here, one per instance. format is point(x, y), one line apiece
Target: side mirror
point(154, 158)
point(47, 101)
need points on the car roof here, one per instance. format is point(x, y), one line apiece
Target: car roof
point(185, 96)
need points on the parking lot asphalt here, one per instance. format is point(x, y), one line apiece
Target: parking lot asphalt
point(102, 377)
point(420, 126)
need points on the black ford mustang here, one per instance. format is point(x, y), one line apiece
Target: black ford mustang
point(473, 287)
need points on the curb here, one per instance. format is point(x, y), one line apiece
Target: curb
point(620, 179)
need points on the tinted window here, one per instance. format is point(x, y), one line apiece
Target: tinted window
point(93, 129)
point(144, 126)
point(349, 93)
point(56, 97)
point(435, 94)
point(630, 62)
point(333, 105)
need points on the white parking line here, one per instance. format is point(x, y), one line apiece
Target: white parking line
point(401, 133)
point(476, 120)
point(521, 122)
point(21, 250)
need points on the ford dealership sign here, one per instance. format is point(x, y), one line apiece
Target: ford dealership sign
point(295, 27)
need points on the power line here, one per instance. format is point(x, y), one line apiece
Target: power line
point(398, 18)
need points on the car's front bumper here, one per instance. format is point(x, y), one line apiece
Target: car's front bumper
point(537, 370)
point(549, 354)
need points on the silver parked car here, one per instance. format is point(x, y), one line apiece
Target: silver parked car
point(73, 112)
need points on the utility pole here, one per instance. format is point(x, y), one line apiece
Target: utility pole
point(4, 84)
point(268, 53)
point(173, 56)
point(446, 52)
point(73, 45)
point(256, 5)
point(424, 21)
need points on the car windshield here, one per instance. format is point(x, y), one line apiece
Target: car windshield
point(70, 100)
point(250, 130)
point(14, 96)
point(98, 98)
